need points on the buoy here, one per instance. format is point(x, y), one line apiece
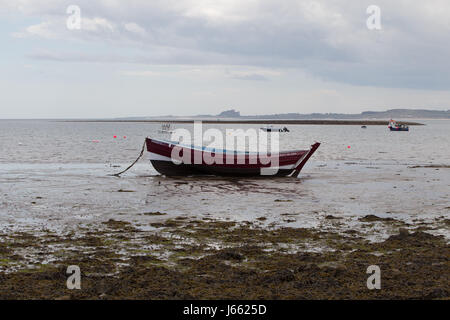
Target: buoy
point(114, 137)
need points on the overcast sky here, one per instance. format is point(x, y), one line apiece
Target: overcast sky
point(186, 57)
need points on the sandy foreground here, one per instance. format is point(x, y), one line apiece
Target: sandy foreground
point(189, 258)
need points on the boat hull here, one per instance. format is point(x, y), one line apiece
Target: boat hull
point(399, 129)
point(169, 168)
point(201, 161)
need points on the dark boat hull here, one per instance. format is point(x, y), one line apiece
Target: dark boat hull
point(224, 164)
point(168, 168)
point(399, 129)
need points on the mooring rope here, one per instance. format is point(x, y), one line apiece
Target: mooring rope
point(135, 161)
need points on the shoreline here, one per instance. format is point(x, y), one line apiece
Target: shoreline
point(290, 122)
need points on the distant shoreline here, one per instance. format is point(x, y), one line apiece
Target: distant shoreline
point(277, 121)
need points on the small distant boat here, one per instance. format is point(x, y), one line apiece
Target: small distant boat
point(394, 126)
point(363, 127)
point(274, 129)
point(232, 163)
point(166, 128)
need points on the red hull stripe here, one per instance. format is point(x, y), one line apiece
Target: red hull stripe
point(233, 160)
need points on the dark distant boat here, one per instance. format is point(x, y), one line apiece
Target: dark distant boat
point(394, 126)
point(363, 127)
point(227, 163)
point(274, 129)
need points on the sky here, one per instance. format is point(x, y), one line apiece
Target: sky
point(188, 57)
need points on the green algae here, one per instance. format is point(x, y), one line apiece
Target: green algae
point(209, 259)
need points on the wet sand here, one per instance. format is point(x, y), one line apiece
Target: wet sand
point(188, 258)
point(185, 238)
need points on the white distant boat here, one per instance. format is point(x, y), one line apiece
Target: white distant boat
point(166, 128)
point(274, 129)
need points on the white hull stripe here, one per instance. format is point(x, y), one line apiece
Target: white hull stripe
point(155, 156)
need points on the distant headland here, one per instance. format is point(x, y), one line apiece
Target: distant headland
point(234, 115)
point(388, 114)
point(402, 116)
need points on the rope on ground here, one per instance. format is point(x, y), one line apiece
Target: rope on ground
point(135, 161)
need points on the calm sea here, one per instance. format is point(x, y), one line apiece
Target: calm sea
point(55, 175)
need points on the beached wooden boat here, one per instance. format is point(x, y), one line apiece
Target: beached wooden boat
point(210, 161)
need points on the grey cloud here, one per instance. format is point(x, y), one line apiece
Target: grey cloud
point(328, 39)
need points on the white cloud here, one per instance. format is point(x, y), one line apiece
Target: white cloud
point(97, 25)
point(43, 29)
point(135, 28)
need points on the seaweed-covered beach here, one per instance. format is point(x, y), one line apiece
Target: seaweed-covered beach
point(186, 258)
